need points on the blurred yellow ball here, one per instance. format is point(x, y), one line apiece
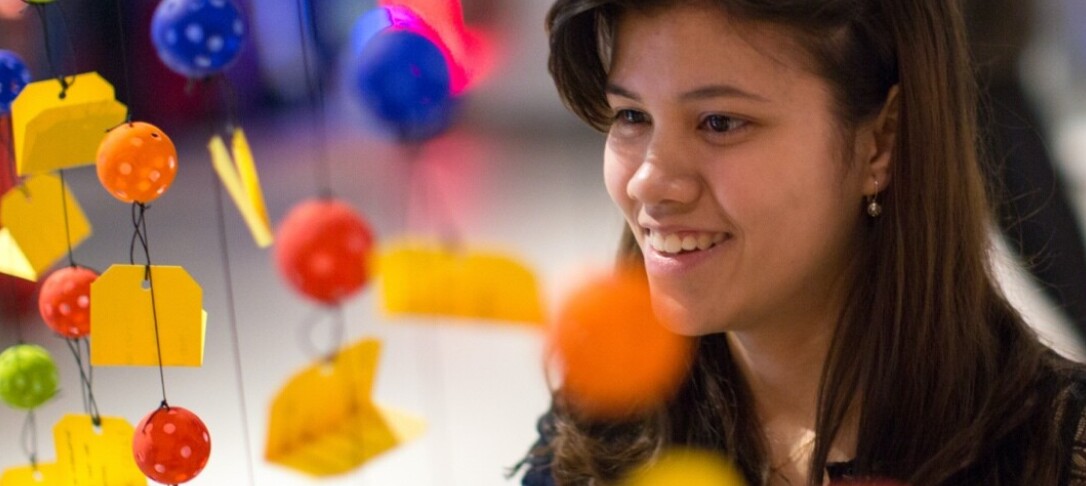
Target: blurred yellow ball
point(687, 467)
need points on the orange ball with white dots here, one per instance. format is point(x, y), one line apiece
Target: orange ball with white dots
point(137, 162)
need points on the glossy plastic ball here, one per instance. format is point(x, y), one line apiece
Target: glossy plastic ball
point(404, 85)
point(618, 359)
point(171, 445)
point(28, 376)
point(14, 76)
point(64, 301)
point(323, 248)
point(198, 38)
point(137, 162)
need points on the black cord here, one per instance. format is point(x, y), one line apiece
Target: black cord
point(315, 90)
point(140, 222)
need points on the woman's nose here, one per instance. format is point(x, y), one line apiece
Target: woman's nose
point(666, 176)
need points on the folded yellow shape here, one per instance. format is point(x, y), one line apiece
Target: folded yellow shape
point(54, 132)
point(96, 456)
point(324, 423)
point(239, 177)
point(123, 324)
point(421, 278)
point(33, 237)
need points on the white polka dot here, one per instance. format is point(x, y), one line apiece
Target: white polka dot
point(136, 141)
point(194, 33)
point(186, 452)
point(159, 468)
point(73, 330)
point(65, 309)
point(203, 61)
point(239, 27)
point(171, 37)
point(83, 301)
point(206, 438)
point(215, 43)
point(169, 428)
point(125, 168)
point(218, 3)
point(154, 175)
point(160, 190)
point(172, 163)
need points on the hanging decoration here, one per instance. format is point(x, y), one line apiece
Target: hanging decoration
point(96, 451)
point(323, 422)
point(172, 445)
point(617, 360)
point(28, 376)
point(237, 171)
point(64, 301)
point(688, 467)
point(419, 277)
point(34, 215)
point(324, 250)
point(198, 38)
point(14, 76)
point(78, 111)
point(34, 475)
point(137, 162)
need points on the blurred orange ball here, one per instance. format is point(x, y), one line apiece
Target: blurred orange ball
point(137, 162)
point(64, 301)
point(618, 359)
point(323, 249)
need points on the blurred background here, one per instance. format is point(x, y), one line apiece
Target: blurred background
point(515, 172)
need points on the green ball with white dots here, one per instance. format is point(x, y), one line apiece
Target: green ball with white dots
point(28, 376)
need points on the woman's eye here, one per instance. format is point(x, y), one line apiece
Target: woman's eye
point(631, 117)
point(722, 123)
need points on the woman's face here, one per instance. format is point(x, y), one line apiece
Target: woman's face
point(727, 162)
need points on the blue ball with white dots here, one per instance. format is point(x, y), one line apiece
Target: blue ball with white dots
point(198, 38)
point(14, 76)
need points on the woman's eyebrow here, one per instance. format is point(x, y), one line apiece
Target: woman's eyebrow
point(700, 93)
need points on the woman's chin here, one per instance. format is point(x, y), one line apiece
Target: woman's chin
point(680, 320)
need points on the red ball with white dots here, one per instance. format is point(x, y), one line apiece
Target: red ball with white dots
point(136, 162)
point(171, 445)
point(64, 301)
point(323, 249)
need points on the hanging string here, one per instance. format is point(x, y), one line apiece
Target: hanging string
point(230, 101)
point(64, 82)
point(30, 439)
point(337, 330)
point(86, 377)
point(124, 63)
point(235, 341)
point(139, 221)
point(315, 90)
point(67, 227)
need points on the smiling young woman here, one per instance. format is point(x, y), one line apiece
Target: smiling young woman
point(801, 187)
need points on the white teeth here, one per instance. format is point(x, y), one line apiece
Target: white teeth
point(673, 243)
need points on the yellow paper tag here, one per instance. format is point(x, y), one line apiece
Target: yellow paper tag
point(90, 456)
point(123, 325)
point(239, 177)
point(43, 475)
point(33, 237)
point(427, 279)
point(323, 422)
point(57, 133)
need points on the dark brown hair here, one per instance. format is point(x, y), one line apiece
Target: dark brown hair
point(949, 384)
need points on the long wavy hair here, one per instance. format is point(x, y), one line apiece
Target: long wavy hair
point(949, 384)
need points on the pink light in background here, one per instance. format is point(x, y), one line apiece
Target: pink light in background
point(11, 9)
point(472, 52)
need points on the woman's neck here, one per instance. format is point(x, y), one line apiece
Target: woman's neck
point(783, 368)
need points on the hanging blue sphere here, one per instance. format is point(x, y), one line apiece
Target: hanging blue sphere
point(14, 76)
point(198, 38)
point(404, 84)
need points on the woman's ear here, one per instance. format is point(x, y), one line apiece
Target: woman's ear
point(879, 153)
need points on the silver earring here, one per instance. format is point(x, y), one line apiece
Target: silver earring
point(874, 209)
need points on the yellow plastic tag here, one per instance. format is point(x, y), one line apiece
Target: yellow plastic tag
point(123, 325)
point(90, 456)
point(33, 237)
point(323, 422)
point(57, 133)
point(418, 278)
point(43, 475)
point(239, 177)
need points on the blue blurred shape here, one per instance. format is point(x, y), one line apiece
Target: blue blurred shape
point(198, 38)
point(14, 76)
point(403, 82)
